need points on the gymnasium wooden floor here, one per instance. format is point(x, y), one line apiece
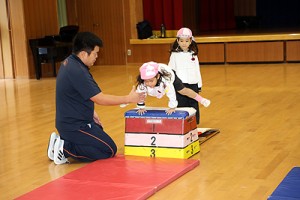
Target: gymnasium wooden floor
point(256, 108)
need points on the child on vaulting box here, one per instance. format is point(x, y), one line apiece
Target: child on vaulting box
point(157, 79)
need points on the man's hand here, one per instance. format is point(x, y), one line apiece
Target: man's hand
point(134, 97)
point(97, 119)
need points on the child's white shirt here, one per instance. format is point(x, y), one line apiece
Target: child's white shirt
point(187, 70)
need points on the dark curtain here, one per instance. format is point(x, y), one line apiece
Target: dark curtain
point(211, 15)
point(216, 15)
point(278, 13)
point(167, 12)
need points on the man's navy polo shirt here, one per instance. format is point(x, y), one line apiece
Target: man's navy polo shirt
point(74, 88)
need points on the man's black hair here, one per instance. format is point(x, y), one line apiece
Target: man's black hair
point(86, 41)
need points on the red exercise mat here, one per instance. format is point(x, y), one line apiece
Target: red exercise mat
point(121, 177)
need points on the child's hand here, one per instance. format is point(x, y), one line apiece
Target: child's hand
point(141, 111)
point(170, 111)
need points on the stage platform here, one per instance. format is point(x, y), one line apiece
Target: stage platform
point(231, 36)
point(233, 46)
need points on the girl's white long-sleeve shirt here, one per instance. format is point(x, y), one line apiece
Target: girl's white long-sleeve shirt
point(164, 88)
point(187, 69)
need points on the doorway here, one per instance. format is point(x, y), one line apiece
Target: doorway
point(105, 19)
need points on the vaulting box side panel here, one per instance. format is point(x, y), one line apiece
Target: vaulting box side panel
point(164, 152)
point(161, 139)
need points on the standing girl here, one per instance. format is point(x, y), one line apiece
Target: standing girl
point(184, 61)
point(157, 79)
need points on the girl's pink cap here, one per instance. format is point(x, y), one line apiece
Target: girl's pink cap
point(184, 33)
point(149, 70)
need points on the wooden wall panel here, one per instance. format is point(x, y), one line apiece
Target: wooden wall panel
point(18, 39)
point(71, 12)
point(255, 52)
point(40, 20)
point(149, 52)
point(1, 59)
point(293, 51)
point(208, 53)
point(109, 15)
point(211, 53)
point(133, 14)
point(6, 63)
point(84, 15)
point(106, 19)
point(133, 9)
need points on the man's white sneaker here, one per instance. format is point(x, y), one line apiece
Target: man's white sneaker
point(205, 102)
point(59, 157)
point(52, 140)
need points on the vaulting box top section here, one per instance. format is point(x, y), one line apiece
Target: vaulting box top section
point(180, 113)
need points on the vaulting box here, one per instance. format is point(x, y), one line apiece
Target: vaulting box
point(164, 152)
point(157, 121)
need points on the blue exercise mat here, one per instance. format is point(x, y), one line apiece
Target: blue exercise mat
point(289, 188)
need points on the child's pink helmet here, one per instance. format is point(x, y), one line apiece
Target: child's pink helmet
point(184, 33)
point(149, 70)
